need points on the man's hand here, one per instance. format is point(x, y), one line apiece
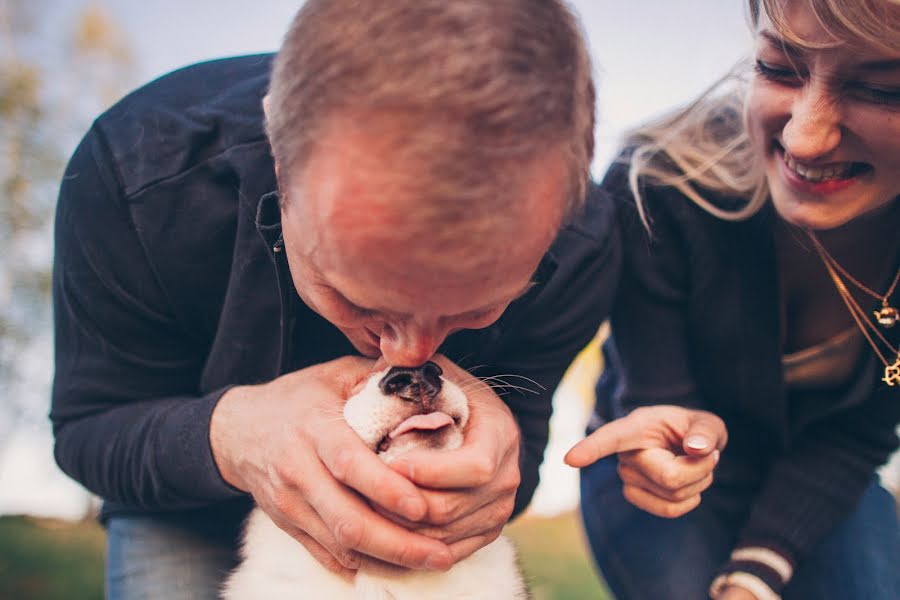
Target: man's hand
point(471, 491)
point(666, 455)
point(286, 442)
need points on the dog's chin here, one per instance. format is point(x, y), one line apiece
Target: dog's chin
point(446, 438)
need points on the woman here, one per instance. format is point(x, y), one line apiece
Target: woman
point(762, 229)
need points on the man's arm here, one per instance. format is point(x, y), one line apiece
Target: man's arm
point(131, 426)
point(128, 420)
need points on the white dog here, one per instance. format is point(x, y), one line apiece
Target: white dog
point(396, 410)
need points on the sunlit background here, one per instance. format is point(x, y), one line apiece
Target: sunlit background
point(63, 61)
point(66, 60)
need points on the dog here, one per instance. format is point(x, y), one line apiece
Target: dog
point(397, 410)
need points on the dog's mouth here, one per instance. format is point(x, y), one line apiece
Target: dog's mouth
point(425, 425)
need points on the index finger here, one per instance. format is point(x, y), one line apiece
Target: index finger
point(616, 436)
point(355, 465)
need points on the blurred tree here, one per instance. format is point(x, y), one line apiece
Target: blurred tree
point(55, 75)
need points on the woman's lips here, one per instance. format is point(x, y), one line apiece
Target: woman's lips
point(819, 179)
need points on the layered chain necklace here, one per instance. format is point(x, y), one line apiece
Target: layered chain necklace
point(886, 317)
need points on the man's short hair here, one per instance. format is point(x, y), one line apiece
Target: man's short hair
point(485, 86)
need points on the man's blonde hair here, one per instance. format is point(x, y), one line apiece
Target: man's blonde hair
point(484, 86)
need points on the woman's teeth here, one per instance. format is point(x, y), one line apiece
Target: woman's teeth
point(818, 174)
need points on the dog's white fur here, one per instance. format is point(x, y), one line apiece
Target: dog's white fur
point(277, 567)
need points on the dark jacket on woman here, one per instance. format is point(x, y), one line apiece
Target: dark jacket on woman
point(697, 323)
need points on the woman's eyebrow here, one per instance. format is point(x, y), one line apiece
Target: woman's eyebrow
point(780, 43)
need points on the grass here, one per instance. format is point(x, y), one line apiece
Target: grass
point(554, 556)
point(50, 560)
point(45, 559)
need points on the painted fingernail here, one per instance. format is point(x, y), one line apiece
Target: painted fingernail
point(697, 442)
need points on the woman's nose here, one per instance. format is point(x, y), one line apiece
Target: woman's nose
point(814, 127)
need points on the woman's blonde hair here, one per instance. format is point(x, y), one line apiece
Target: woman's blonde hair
point(704, 145)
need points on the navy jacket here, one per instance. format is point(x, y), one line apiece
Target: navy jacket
point(167, 292)
point(697, 323)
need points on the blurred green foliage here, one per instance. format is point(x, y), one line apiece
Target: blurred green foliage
point(45, 559)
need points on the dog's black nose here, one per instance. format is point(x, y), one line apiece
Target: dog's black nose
point(418, 384)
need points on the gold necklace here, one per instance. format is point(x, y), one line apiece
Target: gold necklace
point(891, 370)
point(887, 316)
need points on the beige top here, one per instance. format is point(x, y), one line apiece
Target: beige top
point(824, 365)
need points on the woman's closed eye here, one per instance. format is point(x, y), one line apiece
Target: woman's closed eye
point(873, 93)
point(784, 74)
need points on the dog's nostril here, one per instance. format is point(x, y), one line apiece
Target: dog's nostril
point(431, 373)
point(416, 384)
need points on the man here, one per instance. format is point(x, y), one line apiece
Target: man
point(214, 306)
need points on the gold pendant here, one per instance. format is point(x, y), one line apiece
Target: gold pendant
point(887, 316)
point(892, 373)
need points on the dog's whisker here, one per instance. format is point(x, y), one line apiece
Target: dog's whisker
point(517, 388)
point(497, 383)
point(528, 379)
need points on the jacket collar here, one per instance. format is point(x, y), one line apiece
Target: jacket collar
point(268, 220)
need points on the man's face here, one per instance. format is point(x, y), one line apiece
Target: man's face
point(360, 258)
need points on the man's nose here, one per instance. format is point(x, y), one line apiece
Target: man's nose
point(409, 345)
point(814, 127)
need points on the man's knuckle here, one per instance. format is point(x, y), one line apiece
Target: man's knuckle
point(513, 481)
point(407, 555)
point(342, 464)
point(501, 511)
point(348, 532)
point(483, 470)
point(445, 508)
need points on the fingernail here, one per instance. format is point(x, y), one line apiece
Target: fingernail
point(439, 562)
point(412, 508)
point(697, 442)
point(715, 456)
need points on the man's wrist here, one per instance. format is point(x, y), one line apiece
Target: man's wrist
point(220, 424)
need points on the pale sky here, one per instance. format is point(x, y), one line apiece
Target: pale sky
point(649, 55)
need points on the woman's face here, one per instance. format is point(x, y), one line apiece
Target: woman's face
point(826, 123)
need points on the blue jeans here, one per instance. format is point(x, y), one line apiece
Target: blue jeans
point(149, 559)
point(643, 557)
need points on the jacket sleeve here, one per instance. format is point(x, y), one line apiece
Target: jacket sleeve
point(814, 486)
point(556, 325)
point(128, 420)
point(647, 357)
